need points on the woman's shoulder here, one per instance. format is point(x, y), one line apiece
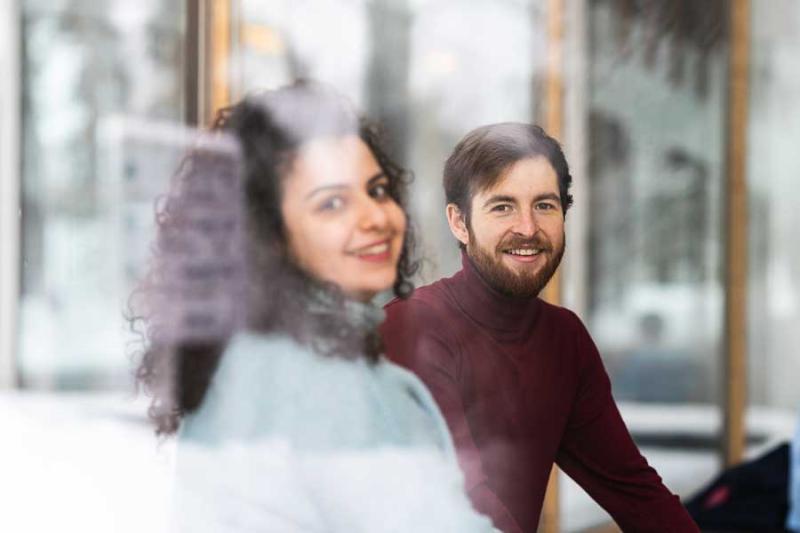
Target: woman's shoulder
point(403, 379)
point(272, 385)
point(414, 396)
point(262, 368)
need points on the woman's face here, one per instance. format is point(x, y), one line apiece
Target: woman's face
point(342, 225)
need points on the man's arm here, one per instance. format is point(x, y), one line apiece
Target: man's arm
point(599, 454)
point(414, 338)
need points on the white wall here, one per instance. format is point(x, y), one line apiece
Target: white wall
point(9, 185)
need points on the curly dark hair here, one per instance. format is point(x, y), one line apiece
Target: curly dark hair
point(276, 296)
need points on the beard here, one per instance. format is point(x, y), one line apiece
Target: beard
point(525, 283)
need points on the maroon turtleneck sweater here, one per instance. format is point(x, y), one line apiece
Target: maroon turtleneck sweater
point(521, 385)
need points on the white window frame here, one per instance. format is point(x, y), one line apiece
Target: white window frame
point(10, 179)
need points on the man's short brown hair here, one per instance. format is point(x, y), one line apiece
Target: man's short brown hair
point(481, 157)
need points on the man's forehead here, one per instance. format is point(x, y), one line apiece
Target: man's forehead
point(532, 175)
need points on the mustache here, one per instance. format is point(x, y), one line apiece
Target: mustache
point(537, 241)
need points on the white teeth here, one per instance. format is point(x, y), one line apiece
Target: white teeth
point(375, 249)
point(524, 251)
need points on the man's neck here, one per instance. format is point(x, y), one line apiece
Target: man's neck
point(504, 317)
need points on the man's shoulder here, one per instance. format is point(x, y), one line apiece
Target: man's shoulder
point(558, 316)
point(430, 312)
point(431, 301)
point(566, 330)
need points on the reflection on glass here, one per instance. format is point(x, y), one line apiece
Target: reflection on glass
point(471, 65)
point(773, 169)
point(428, 71)
point(84, 61)
point(657, 103)
point(656, 148)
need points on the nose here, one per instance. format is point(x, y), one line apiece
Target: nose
point(372, 215)
point(526, 224)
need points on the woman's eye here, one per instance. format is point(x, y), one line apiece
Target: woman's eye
point(379, 191)
point(333, 203)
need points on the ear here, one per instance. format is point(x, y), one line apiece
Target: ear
point(458, 225)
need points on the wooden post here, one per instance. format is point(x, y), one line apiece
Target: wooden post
point(208, 49)
point(550, 520)
point(554, 84)
point(554, 103)
point(554, 125)
point(194, 41)
point(219, 72)
point(736, 252)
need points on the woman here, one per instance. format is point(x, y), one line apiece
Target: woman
point(263, 348)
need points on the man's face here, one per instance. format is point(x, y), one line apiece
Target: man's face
point(515, 235)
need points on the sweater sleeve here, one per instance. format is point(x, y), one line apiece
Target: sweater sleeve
point(414, 337)
point(598, 452)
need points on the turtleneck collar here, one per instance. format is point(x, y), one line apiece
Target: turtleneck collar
point(506, 318)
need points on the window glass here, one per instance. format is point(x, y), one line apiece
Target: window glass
point(773, 168)
point(657, 82)
point(85, 62)
point(103, 91)
point(427, 71)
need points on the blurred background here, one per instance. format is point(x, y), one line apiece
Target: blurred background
point(679, 119)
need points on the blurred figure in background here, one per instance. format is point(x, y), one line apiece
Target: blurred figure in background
point(756, 495)
point(793, 520)
point(520, 381)
point(653, 371)
point(263, 349)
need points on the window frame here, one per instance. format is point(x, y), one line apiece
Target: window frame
point(10, 175)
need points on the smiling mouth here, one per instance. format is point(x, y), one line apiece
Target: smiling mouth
point(377, 252)
point(526, 254)
point(523, 252)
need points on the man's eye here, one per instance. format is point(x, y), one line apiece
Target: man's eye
point(501, 208)
point(334, 203)
point(545, 206)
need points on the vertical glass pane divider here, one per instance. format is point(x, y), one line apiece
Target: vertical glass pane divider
point(10, 186)
point(193, 63)
point(554, 125)
point(218, 58)
point(207, 68)
point(736, 224)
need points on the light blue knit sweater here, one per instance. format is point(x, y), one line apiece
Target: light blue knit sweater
point(290, 440)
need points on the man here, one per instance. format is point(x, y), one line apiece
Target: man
point(520, 381)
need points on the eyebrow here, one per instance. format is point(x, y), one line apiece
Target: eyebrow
point(548, 196)
point(379, 176)
point(498, 198)
point(324, 188)
point(342, 186)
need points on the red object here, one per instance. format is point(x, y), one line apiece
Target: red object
point(521, 385)
point(718, 496)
